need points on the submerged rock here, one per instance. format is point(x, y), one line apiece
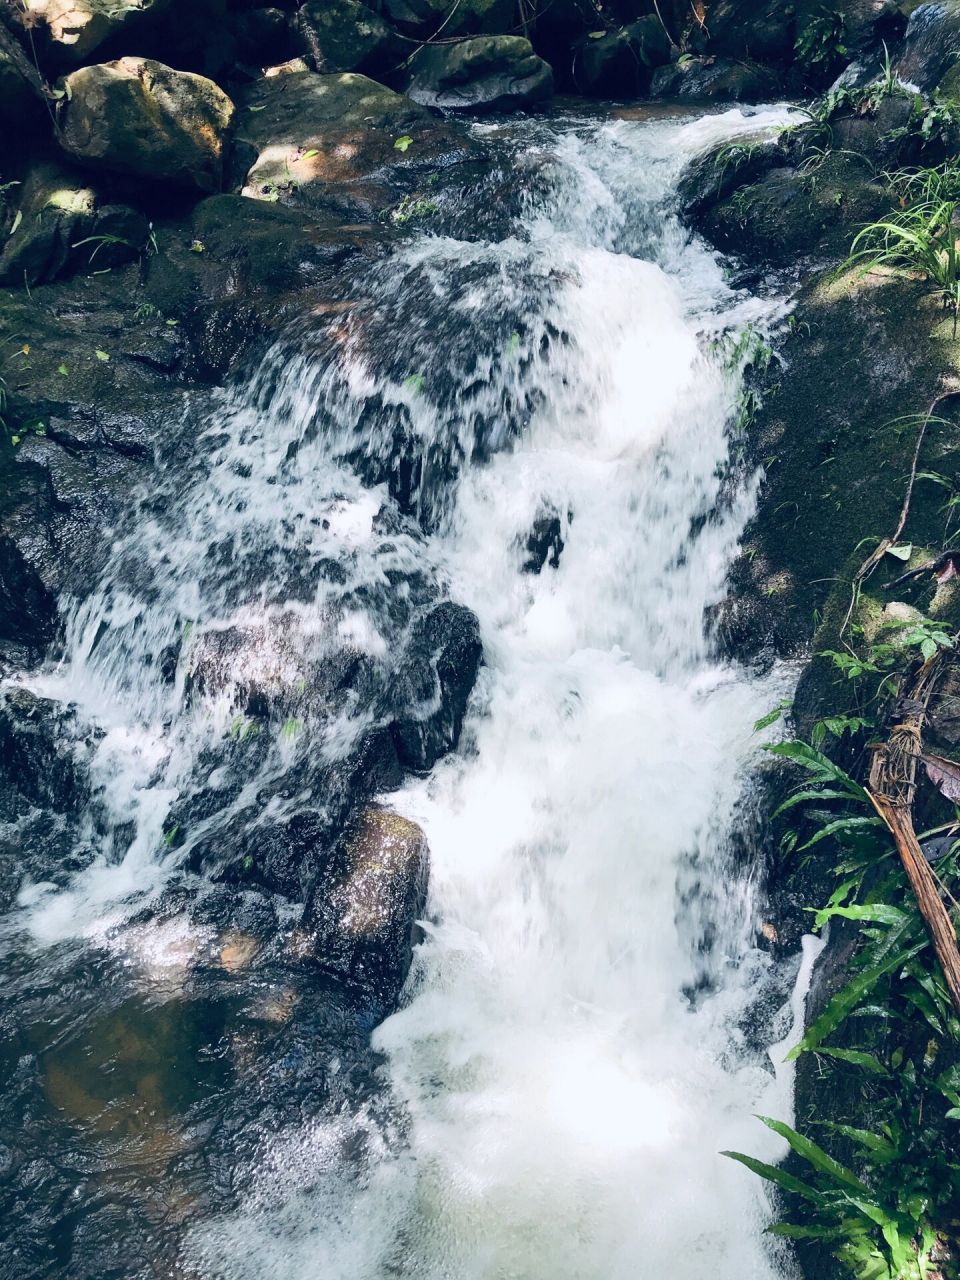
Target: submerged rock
point(434, 684)
point(487, 73)
point(544, 543)
point(137, 116)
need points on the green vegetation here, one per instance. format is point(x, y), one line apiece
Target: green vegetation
point(821, 42)
point(883, 1195)
point(920, 238)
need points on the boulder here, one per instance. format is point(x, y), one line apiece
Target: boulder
point(41, 749)
point(544, 543)
point(340, 145)
point(930, 44)
point(365, 908)
point(55, 211)
point(434, 684)
point(761, 29)
point(344, 35)
point(265, 36)
point(69, 31)
point(487, 73)
point(137, 116)
point(783, 216)
point(713, 79)
point(620, 63)
point(425, 18)
point(61, 225)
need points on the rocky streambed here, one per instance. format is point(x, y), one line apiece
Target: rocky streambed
point(402, 501)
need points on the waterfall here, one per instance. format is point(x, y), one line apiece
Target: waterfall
point(572, 1050)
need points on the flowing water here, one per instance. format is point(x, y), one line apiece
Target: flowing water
point(575, 1045)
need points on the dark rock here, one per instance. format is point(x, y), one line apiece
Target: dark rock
point(22, 106)
point(434, 684)
point(265, 37)
point(762, 30)
point(424, 18)
point(230, 275)
point(620, 63)
point(41, 752)
point(366, 904)
point(710, 79)
point(28, 607)
point(487, 73)
point(71, 30)
point(942, 724)
point(63, 227)
point(344, 35)
point(56, 211)
point(797, 566)
point(544, 542)
point(140, 117)
point(930, 44)
point(792, 212)
point(328, 144)
point(716, 175)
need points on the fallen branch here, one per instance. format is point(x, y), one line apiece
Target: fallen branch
point(893, 777)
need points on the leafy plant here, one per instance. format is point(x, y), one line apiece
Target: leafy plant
point(821, 42)
point(921, 239)
point(412, 209)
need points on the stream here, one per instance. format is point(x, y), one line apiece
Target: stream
point(536, 426)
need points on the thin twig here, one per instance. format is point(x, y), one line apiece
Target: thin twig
point(874, 558)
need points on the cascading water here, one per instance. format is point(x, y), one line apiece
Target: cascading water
point(572, 1054)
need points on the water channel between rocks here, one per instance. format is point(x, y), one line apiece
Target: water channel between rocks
point(587, 1021)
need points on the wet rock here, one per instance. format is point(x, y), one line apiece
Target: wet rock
point(365, 908)
point(716, 175)
point(434, 684)
point(930, 44)
point(713, 79)
point(424, 18)
point(28, 607)
point(544, 542)
point(621, 63)
point(329, 144)
point(41, 752)
point(790, 212)
point(487, 73)
point(863, 347)
point(347, 36)
point(231, 273)
point(137, 116)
